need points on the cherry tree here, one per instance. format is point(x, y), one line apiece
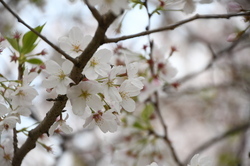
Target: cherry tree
point(104, 88)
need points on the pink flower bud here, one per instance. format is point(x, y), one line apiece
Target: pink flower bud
point(234, 7)
point(233, 37)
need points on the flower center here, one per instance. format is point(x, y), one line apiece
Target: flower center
point(85, 94)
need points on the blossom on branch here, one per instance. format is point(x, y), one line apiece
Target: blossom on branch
point(98, 65)
point(75, 43)
point(105, 120)
point(115, 6)
point(85, 94)
point(23, 96)
point(58, 78)
point(61, 125)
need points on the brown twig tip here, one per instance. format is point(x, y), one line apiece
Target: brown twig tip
point(175, 25)
point(38, 34)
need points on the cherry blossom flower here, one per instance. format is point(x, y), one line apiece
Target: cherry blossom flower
point(110, 84)
point(127, 90)
point(105, 120)
point(75, 43)
point(132, 70)
point(58, 78)
point(6, 153)
point(8, 123)
point(23, 96)
point(116, 6)
point(98, 65)
point(198, 161)
point(85, 94)
point(3, 110)
point(61, 125)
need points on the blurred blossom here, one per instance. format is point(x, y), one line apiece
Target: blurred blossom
point(199, 161)
point(115, 6)
point(234, 7)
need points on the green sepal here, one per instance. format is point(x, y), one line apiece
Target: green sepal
point(34, 61)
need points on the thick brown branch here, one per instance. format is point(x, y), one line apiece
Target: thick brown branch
point(61, 100)
point(173, 26)
point(42, 128)
point(93, 10)
point(38, 34)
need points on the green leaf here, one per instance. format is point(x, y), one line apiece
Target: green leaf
point(147, 112)
point(138, 126)
point(29, 39)
point(34, 61)
point(13, 42)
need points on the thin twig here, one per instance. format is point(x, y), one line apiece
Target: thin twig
point(38, 34)
point(211, 142)
point(173, 26)
point(165, 137)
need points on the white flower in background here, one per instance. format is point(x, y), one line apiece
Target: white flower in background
point(28, 77)
point(116, 6)
point(166, 71)
point(153, 164)
point(98, 64)
point(132, 70)
point(189, 7)
point(21, 110)
point(6, 153)
point(58, 78)
point(234, 7)
point(3, 43)
point(23, 96)
point(105, 120)
point(8, 123)
point(127, 90)
point(110, 85)
point(85, 94)
point(75, 43)
point(149, 89)
point(199, 161)
point(3, 110)
point(61, 125)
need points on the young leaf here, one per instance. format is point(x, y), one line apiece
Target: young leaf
point(13, 42)
point(34, 61)
point(29, 39)
point(147, 112)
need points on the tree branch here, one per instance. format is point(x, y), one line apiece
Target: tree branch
point(93, 10)
point(61, 100)
point(173, 26)
point(211, 142)
point(38, 34)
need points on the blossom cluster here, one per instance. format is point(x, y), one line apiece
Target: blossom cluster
point(106, 91)
point(16, 99)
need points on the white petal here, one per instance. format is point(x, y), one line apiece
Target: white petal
point(128, 105)
point(67, 66)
